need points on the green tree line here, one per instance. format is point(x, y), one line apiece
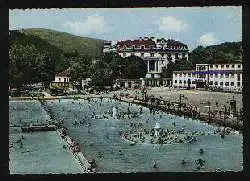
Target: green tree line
point(229, 52)
point(34, 60)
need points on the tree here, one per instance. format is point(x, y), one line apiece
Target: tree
point(31, 60)
point(183, 65)
point(223, 53)
point(135, 68)
point(168, 72)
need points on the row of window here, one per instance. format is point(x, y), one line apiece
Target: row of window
point(185, 82)
point(162, 54)
point(227, 66)
point(152, 47)
point(226, 83)
point(63, 79)
point(227, 75)
point(210, 83)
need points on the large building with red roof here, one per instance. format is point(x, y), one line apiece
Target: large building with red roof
point(156, 52)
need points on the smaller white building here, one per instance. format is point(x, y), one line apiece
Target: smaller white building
point(181, 79)
point(85, 83)
point(224, 76)
point(62, 80)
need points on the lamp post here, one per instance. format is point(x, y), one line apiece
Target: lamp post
point(181, 96)
point(209, 109)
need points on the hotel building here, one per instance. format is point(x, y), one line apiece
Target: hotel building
point(156, 53)
point(224, 76)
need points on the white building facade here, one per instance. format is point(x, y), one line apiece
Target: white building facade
point(224, 76)
point(62, 80)
point(156, 53)
point(181, 79)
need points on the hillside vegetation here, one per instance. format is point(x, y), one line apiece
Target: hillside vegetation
point(32, 59)
point(69, 43)
point(229, 52)
point(36, 55)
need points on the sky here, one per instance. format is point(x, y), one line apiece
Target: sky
point(191, 25)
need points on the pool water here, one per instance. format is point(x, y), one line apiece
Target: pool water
point(42, 152)
point(101, 140)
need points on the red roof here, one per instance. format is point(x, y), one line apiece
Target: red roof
point(63, 73)
point(129, 43)
point(148, 43)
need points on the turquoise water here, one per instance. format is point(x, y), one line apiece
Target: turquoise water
point(45, 152)
point(103, 138)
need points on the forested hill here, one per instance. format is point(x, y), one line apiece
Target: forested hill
point(228, 52)
point(69, 43)
point(31, 59)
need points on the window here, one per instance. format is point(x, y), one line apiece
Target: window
point(211, 83)
point(124, 54)
point(222, 66)
point(202, 68)
point(211, 66)
point(176, 56)
point(216, 75)
point(185, 81)
point(211, 75)
point(65, 80)
point(162, 55)
point(193, 82)
point(221, 83)
point(232, 75)
point(202, 76)
point(221, 75)
point(59, 79)
point(227, 75)
point(239, 66)
point(232, 84)
point(142, 47)
point(232, 66)
point(227, 84)
point(180, 81)
point(152, 54)
point(133, 46)
point(142, 54)
point(189, 75)
point(215, 83)
point(227, 66)
point(175, 81)
point(216, 66)
point(238, 77)
point(180, 75)
point(238, 84)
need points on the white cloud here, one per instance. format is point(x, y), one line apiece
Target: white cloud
point(172, 24)
point(208, 39)
point(93, 24)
